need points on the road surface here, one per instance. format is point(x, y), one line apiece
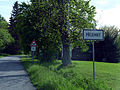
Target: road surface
point(13, 76)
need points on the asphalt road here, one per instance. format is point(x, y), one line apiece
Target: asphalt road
point(13, 76)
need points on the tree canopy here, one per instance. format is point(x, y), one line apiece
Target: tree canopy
point(2, 18)
point(108, 50)
point(53, 24)
point(14, 48)
point(5, 37)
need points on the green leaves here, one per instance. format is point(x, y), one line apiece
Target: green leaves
point(1, 18)
point(5, 38)
point(46, 21)
point(109, 48)
point(3, 24)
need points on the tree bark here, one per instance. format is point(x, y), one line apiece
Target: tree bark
point(66, 60)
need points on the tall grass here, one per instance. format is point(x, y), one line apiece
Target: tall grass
point(45, 79)
point(53, 76)
point(4, 54)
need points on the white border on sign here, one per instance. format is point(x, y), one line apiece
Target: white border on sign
point(93, 30)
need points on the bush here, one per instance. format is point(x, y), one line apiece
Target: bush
point(48, 55)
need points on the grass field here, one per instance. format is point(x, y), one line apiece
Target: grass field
point(78, 76)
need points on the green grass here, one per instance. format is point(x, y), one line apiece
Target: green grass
point(78, 76)
point(3, 55)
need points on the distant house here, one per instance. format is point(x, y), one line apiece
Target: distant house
point(77, 54)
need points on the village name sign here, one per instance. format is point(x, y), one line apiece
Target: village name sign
point(93, 34)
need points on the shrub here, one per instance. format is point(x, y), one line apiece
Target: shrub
point(48, 55)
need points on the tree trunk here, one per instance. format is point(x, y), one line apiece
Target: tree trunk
point(66, 60)
point(66, 55)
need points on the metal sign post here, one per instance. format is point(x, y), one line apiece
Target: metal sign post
point(91, 34)
point(32, 56)
point(33, 48)
point(93, 61)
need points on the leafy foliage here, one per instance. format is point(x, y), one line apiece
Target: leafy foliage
point(1, 18)
point(79, 14)
point(5, 37)
point(108, 50)
point(46, 22)
point(3, 24)
point(35, 28)
point(14, 48)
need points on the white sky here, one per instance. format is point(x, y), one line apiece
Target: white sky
point(6, 7)
point(107, 11)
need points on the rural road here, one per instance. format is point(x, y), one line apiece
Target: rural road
point(12, 75)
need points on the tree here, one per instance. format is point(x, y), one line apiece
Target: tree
point(5, 37)
point(108, 50)
point(25, 28)
point(46, 21)
point(59, 16)
point(14, 48)
point(1, 18)
point(13, 20)
point(81, 16)
point(3, 23)
point(42, 29)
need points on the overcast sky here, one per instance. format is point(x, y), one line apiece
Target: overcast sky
point(6, 7)
point(108, 11)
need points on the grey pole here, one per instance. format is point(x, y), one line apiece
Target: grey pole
point(93, 61)
point(32, 56)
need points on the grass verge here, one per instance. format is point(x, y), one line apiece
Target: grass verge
point(78, 76)
point(3, 55)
